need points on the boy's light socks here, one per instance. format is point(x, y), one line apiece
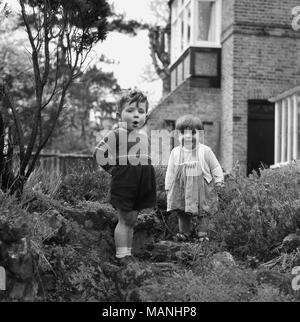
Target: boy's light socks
point(122, 252)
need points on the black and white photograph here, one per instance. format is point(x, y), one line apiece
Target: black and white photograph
point(149, 154)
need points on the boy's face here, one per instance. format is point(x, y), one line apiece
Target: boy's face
point(189, 138)
point(134, 115)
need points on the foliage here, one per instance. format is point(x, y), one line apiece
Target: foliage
point(71, 268)
point(60, 34)
point(66, 139)
point(12, 213)
point(160, 9)
point(78, 275)
point(160, 172)
point(256, 213)
point(43, 182)
point(230, 286)
point(159, 33)
point(94, 90)
point(269, 294)
point(118, 23)
point(84, 184)
point(159, 39)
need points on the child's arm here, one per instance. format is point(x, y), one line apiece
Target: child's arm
point(104, 154)
point(170, 172)
point(215, 168)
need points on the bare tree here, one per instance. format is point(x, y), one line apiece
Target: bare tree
point(61, 33)
point(159, 37)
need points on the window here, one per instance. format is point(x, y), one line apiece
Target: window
point(181, 27)
point(206, 17)
point(195, 23)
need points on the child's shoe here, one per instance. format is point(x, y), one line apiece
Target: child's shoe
point(202, 236)
point(181, 237)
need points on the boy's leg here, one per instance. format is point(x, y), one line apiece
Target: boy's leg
point(184, 223)
point(124, 232)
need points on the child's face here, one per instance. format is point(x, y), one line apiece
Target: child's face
point(189, 138)
point(134, 115)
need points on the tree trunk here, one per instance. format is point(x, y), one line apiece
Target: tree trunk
point(7, 175)
point(166, 85)
point(2, 161)
point(17, 186)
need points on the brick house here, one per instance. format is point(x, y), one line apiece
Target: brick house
point(228, 57)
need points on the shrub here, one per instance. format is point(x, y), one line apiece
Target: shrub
point(160, 173)
point(13, 215)
point(267, 293)
point(256, 213)
point(43, 182)
point(85, 184)
point(185, 286)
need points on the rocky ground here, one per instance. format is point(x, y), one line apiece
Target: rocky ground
point(69, 256)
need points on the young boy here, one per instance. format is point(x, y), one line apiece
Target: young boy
point(133, 178)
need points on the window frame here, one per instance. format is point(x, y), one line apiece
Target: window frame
point(178, 10)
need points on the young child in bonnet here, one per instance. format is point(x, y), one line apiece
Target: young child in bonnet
point(192, 178)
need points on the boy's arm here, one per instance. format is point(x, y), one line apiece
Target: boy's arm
point(104, 154)
point(215, 168)
point(170, 172)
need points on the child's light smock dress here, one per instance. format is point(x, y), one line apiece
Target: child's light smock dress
point(189, 180)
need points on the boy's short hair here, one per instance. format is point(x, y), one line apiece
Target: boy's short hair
point(188, 122)
point(131, 97)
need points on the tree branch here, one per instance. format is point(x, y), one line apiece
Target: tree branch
point(20, 134)
point(39, 92)
point(31, 40)
point(42, 145)
point(46, 46)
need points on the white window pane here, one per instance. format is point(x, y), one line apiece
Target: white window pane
point(174, 10)
point(181, 32)
point(179, 73)
point(187, 28)
point(186, 66)
point(175, 41)
point(175, 7)
point(173, 79)
point(206, 21)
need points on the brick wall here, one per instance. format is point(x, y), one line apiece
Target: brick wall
point(185, 99)
point(267, 12)
point(260, 57)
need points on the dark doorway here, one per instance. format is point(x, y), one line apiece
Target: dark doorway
point(260, 134)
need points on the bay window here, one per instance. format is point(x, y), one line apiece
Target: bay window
point(194, 23)
point(196, 42)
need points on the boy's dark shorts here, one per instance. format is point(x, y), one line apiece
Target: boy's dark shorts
point(133, 187)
